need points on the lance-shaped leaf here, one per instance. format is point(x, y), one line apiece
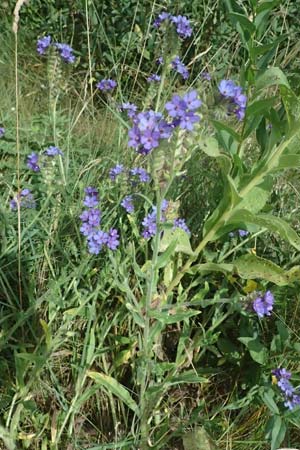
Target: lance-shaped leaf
point(272, 77)
point(116, 388)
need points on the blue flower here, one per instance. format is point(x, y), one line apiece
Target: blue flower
point(291, 398)
point(182, 110)
point(235, 95)
point(180, 223)
point(263, 304)
point(32, 162)
point(42, 44)
point(53, 151)
point(127, 204)
point(25, 198)
point(115, 171)
point(130, 108)
point(106, 85)
point(2, 132)
point(154, 77)
point(180, 67)
point(143, 175)
point(183, 26)
point(66, 52)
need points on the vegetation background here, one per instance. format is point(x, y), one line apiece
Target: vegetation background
point(70, 340)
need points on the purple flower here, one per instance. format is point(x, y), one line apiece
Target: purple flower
point(180, 223)
point(235, 95)
point(227, 88)
point(206, 76)
point(113, 239)
point(91, 199)
point(42, 44)
point(263, 304)
point(115, 171)
point(2, 132)
point(243, 233)
point(96, 240)
point(161, 18)
point(180, 68)
point(291, 403)
point(149, 127)
point(53, 151)
point(182, 110)
point(183, 26)
point(154, 77)
point(130, 108)
point(106, 85)
point(32, 162)
point(66, 52)
point(291, 399)
point(160, 60)
point(25, 198)
point(149, 222)
point(143, 175)
point(128, 204)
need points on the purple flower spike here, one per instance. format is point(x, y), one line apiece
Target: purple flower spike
point(180, 68)
point(161, 18)
point(53, 151)
point(183, 26)
point(106, 85)
point(263, 305)
point(291, 398)
point(130, 108)
point(180, 223)
point(128, 204)
point(32, 162)
point(141, 173)
point(66, 53)
point(113, 239)
point(115, 171)
point(2, 132)
point(154, 78)
point(25, 198)
point(42, 44)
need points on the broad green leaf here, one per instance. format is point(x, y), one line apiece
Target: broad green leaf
point(211, 267)
point(258, 352)
point(245, 23)
point(182, 244)
point(276, 430)
point(113, 386)
point(271, 223)
point(250, 267)
point(256, 199)
point(228, 138)
point(173, 315)
point(271, 77)
point(259, 106)
point(166, 255)
point(210, 146)
point(288, 162)
point(268, 399)
point(198, 439)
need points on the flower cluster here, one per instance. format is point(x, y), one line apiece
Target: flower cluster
point(291, 398)
point(180, 67)
point(2, 132)
point(25, 198)
point(91, 219)
point(130, 108)
point(106, 85)
point(149, 222)
point(182, 110)
point(32, 162)
point(141, 173)
point(115, 171)
point(149, 127)
point(180, 223)
point(206, 76)
point(65, 51)
point(154, 77)
point(42, 44)
point(33, 158)
point(263, 304)
point(127, 204)
point(182, 24)
point(235, 95)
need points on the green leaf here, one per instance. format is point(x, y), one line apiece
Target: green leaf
point(189, 376)
point(257, 351)
point(173, 315)
point(182, 244)
point(245, 23)
point(271, 223)
point(228, 138)
point(165, 257)
point(268, 399)
point(250, 267)
point(259, 106)
point(256, 199)
point(7, 438)
point(288, 162)
point(277, 430)
point(211, 267)
point(198, 439)
point(113, 386)
point(271, 77)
